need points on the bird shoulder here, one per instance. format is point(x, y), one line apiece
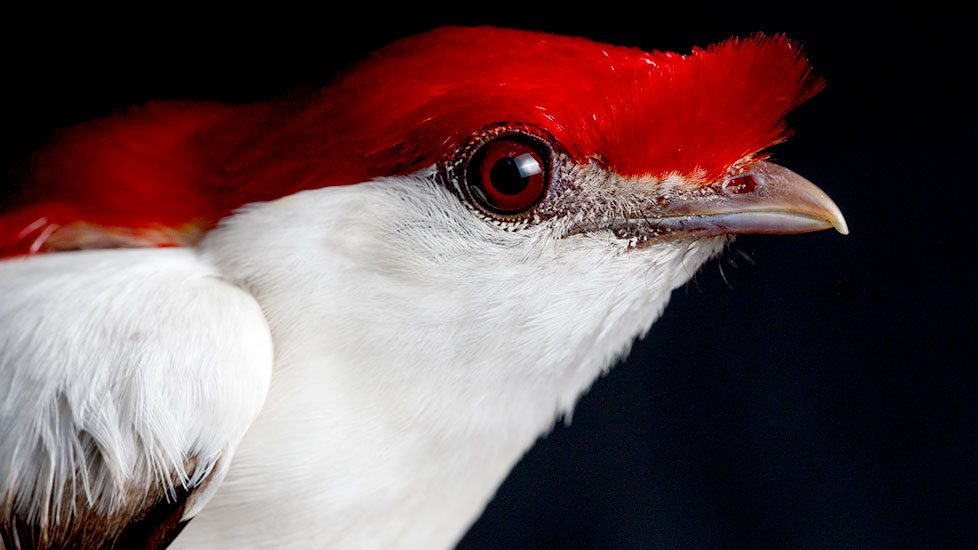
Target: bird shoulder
point(127, 379)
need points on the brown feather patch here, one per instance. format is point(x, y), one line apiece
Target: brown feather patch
point(152, 521)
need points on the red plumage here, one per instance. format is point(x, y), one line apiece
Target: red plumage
point(164, 173)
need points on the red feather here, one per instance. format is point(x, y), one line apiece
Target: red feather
point(164, 173)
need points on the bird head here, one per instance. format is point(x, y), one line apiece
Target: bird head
point(471, 224)
point(526, 203)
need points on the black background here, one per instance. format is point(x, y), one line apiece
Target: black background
point(804, 391)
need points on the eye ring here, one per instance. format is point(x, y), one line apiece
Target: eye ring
point(503, 171)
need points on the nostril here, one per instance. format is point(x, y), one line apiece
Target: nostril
point(741, 184)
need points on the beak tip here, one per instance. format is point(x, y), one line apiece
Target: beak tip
point(841, 226)
point(837, 220)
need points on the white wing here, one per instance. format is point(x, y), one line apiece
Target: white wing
point(127, 379)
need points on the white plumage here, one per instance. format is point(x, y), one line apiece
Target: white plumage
point(124, 372)
point(418, 353)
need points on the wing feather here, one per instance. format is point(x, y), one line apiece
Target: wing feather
point(127, 379)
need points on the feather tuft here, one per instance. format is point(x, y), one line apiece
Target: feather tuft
point(165, 173)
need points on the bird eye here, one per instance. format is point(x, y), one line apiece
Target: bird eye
point(508, 175)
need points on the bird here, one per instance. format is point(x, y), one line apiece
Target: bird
point(338, 319)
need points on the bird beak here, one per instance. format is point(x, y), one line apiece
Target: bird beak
point(767, 198)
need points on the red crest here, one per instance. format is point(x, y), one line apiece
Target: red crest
point(164, 173)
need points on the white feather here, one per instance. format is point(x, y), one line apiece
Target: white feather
point(419, 352)
point(116, 368)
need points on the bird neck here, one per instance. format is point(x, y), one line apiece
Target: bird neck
point(413, 368)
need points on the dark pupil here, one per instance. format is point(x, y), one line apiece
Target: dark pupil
point(511, 175)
